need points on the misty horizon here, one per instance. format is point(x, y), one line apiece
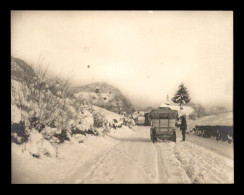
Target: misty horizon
point(141, 103)
point(146, 55)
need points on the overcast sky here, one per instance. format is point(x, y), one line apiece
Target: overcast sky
point(146, 54)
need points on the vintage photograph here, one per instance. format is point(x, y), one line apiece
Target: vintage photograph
point(122, 97)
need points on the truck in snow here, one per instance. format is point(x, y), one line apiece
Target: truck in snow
point(147, 119)
point(140, 119)
point(163, 124)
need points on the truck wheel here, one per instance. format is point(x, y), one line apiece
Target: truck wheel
point(174, 136)
point(151, 137)
point(154, 138)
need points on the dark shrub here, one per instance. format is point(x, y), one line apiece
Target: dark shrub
point(62, 136)
point(98, 120)
point(20, 130)
point(36, 156)
point(35, 123)
point(220, 133)
point(75, 130)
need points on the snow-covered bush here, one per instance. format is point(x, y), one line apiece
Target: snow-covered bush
point(82, 123)
point(49, 132)
point(50, 108)
point(128, 122)
point(38, 147)
point(109, 121)
point(64, 135)
point(36, 98)
point(99, 120)
point(45, 114)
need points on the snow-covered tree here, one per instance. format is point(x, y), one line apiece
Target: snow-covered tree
point(181, 96)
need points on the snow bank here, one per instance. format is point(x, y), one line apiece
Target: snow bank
point(70, 156)
point(107, 114)
point(41, 159)
point(37, 146)
point(15, 114)
point(204, 166)
point(122, 132)
point(174, 171)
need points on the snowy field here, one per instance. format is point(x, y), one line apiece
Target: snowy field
point(127, 156)
point(223, 119)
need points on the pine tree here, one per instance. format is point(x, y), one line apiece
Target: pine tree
point(182, 96)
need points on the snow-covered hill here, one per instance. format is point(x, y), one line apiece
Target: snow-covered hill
point(95, 98)
point(20, 70)
point(104, 95)
point(223, 119)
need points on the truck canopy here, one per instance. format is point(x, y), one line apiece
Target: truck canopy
point(163, 113)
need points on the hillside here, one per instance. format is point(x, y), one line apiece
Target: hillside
point(103, 88)
point(43, 117)
point(108, 97)
point(21, 71)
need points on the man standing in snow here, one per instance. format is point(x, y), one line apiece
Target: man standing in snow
point(183, 127)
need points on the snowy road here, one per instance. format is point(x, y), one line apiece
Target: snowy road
point(135, 159)
point(130, 160)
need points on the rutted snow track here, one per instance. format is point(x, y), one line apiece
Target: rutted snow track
point(133, 158)
point(129, 160)
point(203, 165)
point(173, 171)
point(186, 162)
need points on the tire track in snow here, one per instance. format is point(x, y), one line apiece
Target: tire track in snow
point(96, 164)
point(138, 164)
point(137, 158)
point(91, 166)
point(173, 171)
point(161, 172)
point(100, 162)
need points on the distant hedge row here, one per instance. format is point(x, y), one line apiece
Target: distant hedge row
point(222, 133)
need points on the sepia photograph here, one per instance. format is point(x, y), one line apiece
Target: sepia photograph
point(122, 97)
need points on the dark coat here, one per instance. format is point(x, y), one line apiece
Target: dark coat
point(183, 125)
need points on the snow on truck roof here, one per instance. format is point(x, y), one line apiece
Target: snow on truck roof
point(163, 112)
point(186, 109)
